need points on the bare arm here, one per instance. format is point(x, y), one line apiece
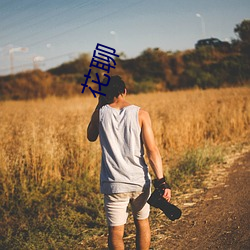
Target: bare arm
point(151, 148)
point(150, 145)
point(93, 127)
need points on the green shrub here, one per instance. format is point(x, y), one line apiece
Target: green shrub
point(191, 168)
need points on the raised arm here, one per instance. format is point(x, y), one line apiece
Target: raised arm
point(93, 127)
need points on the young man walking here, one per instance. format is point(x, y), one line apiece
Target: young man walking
point(124, 129)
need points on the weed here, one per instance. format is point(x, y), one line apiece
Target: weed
point(193, 165)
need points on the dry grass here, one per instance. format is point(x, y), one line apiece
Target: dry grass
point(49, 172)
point(187, 119)
point(42, 141)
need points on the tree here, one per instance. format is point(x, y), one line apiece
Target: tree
point(77, 66)
point(243, 31)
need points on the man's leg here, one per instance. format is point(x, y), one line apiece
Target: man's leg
point(115, 239)
point(141, 210)
point(143, 234)
point(116, 214)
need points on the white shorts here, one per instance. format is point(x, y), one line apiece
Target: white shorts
point(116, 206)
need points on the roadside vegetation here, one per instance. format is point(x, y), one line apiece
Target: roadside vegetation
point(49, 172)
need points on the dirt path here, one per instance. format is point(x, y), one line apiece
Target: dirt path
point(215, 218)
point(218, 218)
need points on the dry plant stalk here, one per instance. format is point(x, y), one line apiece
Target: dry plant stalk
point(45, 140)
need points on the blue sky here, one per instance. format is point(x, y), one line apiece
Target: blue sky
point(56, 31)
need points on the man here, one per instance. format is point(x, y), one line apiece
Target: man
point(124, 129)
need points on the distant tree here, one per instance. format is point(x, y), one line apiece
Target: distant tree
point(78, 66)
point(243, 31)
point(148, 66)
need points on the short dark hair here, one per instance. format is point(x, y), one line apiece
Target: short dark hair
point(115, 87)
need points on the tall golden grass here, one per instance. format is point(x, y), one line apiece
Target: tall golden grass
point(45, 140)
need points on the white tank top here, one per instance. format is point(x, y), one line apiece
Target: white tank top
point(123, 168)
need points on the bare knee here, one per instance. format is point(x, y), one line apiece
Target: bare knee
point(142, 224)
point(115, 239)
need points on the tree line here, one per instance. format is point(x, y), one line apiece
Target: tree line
point(152, 70)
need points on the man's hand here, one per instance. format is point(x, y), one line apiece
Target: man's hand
point(167, 194)
point(165, 189)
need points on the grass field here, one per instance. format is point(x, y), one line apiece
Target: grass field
point(49, 172)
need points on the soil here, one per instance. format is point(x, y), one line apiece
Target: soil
point(218, 218)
